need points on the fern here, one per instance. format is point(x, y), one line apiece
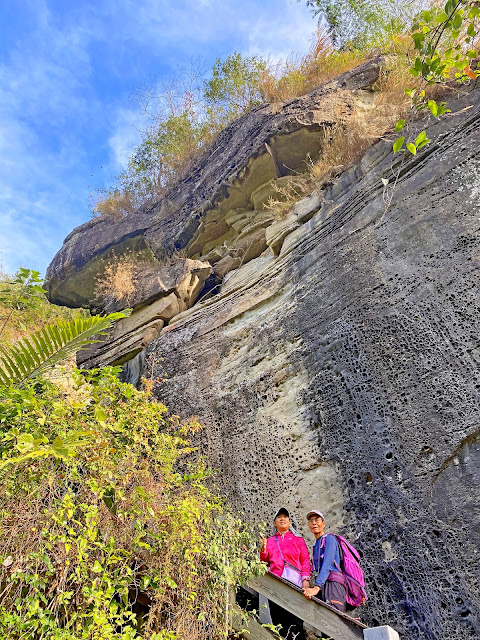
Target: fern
point(34, 355)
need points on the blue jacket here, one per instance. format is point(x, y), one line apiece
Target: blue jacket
point(325, 555)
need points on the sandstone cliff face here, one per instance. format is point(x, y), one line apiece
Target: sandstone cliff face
point(216, 215)
point(338, 369)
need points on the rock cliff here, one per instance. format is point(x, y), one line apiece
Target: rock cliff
point(335, 365)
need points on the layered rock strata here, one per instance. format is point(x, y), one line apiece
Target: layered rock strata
point(161, 293)
point(217, 212)
point(338, 368)
point(340, 371)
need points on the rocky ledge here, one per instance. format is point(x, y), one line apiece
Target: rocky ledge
point(216, 213)
point(215, 216)
point(336, 366)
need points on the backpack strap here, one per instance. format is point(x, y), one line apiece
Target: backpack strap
point(279, 548)
point(340, 550)
point(292, 566)
point(340, 554)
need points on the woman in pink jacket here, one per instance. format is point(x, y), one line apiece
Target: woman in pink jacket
point(287, 556)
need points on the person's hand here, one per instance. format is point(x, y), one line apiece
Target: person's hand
point(309, 592)
point(305, 583)
point(263, 548)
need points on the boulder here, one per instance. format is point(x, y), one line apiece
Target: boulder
point(167, 292)
point(153, 281)
point(265, 144)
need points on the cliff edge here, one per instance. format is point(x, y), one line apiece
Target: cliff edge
point(332, 354)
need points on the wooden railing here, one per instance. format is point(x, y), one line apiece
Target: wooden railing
point(319, 616)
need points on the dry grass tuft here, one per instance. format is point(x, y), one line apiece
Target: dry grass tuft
point(114, 204)
point(298, 75)
point(118, 279)
point(347, 141)
point(287, 194)
point(171, 258)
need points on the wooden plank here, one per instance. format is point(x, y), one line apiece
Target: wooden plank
point(249, 627)
point(318, 614)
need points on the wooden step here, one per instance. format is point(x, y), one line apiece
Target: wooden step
point(322, 617)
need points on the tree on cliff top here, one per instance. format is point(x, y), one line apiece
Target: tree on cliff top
point(363, 23)
point(235, 87)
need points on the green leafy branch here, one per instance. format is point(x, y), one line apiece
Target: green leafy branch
point(21, 292)
point(420, 141)
point(445, 42)
point(32, 448)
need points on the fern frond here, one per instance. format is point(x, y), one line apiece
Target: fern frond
point(45, 348)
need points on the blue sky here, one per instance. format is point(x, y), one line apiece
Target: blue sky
point(67, 72)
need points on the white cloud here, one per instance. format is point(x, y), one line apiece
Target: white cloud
point(177, 29)
point(66, 125)
point(127, 134)
point(42, 102)
point(284, 32)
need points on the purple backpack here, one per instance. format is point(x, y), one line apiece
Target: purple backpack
point(350, 567)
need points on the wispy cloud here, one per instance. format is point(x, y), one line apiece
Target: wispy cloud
point(282, 34)
point(44, 104)
point(127, 134)
point(66, 72)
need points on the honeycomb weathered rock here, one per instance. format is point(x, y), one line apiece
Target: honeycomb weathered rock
point(343, 375)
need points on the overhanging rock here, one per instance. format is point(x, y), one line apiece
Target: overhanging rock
point(217, 212)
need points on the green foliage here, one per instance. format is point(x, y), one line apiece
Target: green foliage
point(115, 516)
point(187, 118)
point(165, 151)
point(444, 42)
point(24, 307)
point(23, 290)
point(33, 356)
point(235, 87)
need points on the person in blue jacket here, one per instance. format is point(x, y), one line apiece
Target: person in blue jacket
point(330, 582)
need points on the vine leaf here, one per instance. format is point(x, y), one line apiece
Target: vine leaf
point(397, 145)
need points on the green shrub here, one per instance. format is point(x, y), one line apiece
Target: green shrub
point(24, 307)
point(110, 513)
point(235, 87)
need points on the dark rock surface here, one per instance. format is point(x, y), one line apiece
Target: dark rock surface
point(337, 367)
point(343, 375)
point(267, 143)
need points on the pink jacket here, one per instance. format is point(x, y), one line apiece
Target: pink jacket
point(294, 551)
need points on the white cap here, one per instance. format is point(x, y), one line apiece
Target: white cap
point(315, 512)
